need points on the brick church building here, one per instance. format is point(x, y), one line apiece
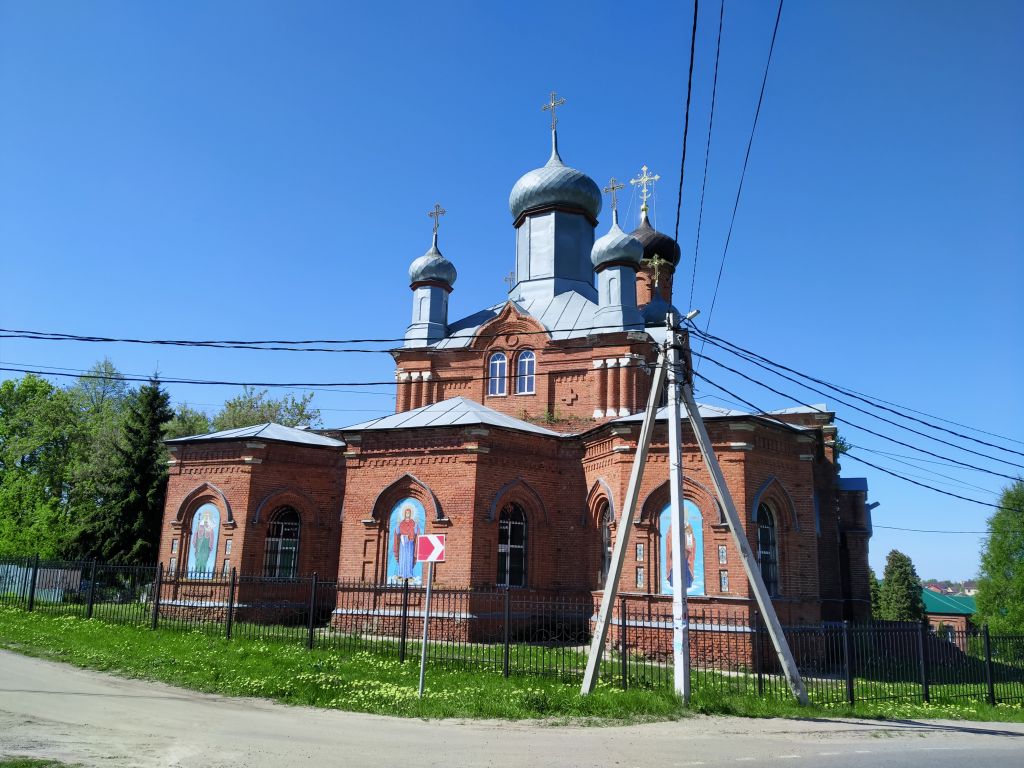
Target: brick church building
point(514, 433)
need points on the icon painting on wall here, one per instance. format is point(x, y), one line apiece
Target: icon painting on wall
point(694, 538)
point(408, 520)
point(202, 551)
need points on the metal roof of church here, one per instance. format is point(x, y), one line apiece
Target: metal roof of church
point(454, 412)
point(712, 412)
point(568, 315)
point(268, 431)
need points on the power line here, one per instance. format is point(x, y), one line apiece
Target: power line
point(854, 424)
point(862, 461)
point(881, 418)
point(707, 153)
point(686, 118)
point(922, 530)
point(743, 172)
point(266, 384)
point(753, 357)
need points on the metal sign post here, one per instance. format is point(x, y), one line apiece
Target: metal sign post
point(429, 549)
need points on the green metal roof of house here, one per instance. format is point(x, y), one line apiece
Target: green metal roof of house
point(948, 604)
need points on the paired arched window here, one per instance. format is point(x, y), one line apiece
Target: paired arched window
point(606, 541)
point(281, 552)
point(512, 546)
point(526, 371)
point(768, 548)
point(497, 373)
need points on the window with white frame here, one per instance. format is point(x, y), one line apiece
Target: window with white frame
point(497, 373)
point(512, 547)
point(526, 370)
point(281, 553)
point(768, 549)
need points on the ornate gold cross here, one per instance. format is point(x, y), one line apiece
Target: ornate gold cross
point(553, 103)
point(436, 215)
point(645, 180)
point(613, 187)
point(656, 264)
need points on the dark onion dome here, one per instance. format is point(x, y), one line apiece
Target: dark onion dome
point(432, 266)
point(654, 242)
point(616, 247)
point(555, 184)
point(655, 310)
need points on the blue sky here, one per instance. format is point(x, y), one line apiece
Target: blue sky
point(263, 170)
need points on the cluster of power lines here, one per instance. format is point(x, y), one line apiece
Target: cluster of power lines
point(926, 439)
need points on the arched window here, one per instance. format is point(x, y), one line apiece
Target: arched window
point(606, 541)
point(497, 370)
point(526, 369)
point(768, 549)
point(512, 547)
point(281, 553)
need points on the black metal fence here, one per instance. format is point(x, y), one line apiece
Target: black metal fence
point(521, 632)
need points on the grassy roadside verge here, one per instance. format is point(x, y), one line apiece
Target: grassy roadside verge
point(364, 682)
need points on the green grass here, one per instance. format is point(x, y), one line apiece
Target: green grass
point(369, 682)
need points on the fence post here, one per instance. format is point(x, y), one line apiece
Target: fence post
point(989, 682)
point(404, 626)
point(231, 602)
point(92, 590)
point(623, 647)
point(32, 584)
point(757, 654)
point(156, 595)
point(922, 650)
point(507, 631)
point(312, 611)
point(847, 662)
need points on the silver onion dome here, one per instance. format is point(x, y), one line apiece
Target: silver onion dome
point(616, 247)
point(432, 266)
point(555, 184)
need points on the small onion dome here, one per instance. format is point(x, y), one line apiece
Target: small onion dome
point(432, 266)
point(654, 242)
point(616, 247)
point(555, 184)
point(655, 310)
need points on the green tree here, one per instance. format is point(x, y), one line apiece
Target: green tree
point(900, 595)
point(255, 407)
point(1000, 595)
point(187, 421)
point(876, 594)
point(41, 444)
point(126, 527)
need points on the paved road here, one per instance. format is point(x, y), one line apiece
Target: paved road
point(57, 711)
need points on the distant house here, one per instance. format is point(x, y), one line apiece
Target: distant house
point(948, 613)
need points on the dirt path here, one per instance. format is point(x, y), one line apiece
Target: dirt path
point(58, 711)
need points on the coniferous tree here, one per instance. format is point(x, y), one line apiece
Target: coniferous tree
point(900, 595)
point(126, 527)
point(876, 594)
point(1001, 582)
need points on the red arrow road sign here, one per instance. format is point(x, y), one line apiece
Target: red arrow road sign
point(430, 548)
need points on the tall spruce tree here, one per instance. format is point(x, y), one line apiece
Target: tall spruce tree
point(876, 594)
point(1001, 581)
point(126, 527)
point(900, 595)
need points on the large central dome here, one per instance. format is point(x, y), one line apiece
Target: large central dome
point(555, 184)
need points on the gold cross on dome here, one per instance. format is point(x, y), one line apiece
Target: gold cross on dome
point(554, 102)
point(645, 180)
point(656, 264)
point(436, 215)
point(612, 188)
